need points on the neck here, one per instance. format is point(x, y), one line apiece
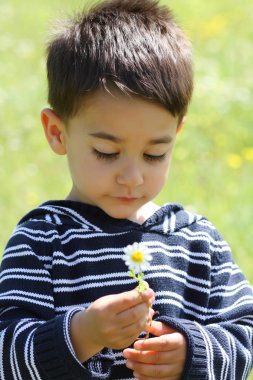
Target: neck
point(143, 213)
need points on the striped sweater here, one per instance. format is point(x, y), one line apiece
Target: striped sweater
point(64, 255)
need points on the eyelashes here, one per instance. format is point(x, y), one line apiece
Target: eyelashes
point(113, 156)
point(150, 157)
point(105, 156)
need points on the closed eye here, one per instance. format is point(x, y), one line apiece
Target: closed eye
point(151, 157)
point(112, 156)
point(105, 156)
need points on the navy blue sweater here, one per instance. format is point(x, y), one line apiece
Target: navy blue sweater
point(64, 255)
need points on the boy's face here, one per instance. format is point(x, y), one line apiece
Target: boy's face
point(119, 149)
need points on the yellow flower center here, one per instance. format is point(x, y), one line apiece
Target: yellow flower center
point(137, 256)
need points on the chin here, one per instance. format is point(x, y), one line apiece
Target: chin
point(120, 214)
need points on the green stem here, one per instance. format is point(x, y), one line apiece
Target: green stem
point(141, 283)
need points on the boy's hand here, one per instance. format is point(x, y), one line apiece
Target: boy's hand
point(162, 357)
point(113, 321)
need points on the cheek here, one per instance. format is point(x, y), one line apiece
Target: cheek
point(86, 169)
point(80, 165)
point(157, 178)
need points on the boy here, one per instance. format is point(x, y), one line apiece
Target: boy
point(120, 81)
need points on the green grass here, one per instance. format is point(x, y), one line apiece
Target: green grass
point(212, 169)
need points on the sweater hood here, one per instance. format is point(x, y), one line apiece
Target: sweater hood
point(168, 219)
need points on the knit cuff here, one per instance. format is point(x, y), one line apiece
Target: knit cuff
point(56, 357)
point(196, 359)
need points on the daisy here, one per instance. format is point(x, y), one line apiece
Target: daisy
point(137, 257)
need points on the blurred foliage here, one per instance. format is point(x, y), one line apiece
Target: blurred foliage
point(212, 169)
point(213, 161)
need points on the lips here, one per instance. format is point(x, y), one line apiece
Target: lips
point(127, 199)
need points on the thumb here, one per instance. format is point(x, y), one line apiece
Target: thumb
point(159, 328)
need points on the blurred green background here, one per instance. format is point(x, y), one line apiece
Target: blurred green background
point(212, 171)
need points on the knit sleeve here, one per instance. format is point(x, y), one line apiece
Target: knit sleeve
point(220, 343)
point(35, 339)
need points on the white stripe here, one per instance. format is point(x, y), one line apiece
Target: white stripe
point(166, 224)
point(87, 259)
point(35, 232)
point(27, 294)
point(172, 222)
point(90, 278)
point(38, 238)
point(6, 310)
point(57, 220)
point(191, 217)
point(229, 291)
point(153, 275)
point(18, 254)
point(25, 254)
point(248, 355)
point(225, 358)
point(178, 304)
point(205, 223)
point(24, 277)
point(29, 357)
point(67, 319)
point(86, 236)
point(168, 295)
point(232, 271)
point(100, 284)
point(161, 269)
point(22, 270)
point(2, 336)
point(209, 352)
point(19, 246)
point(69, 212)
point(176, 250)
point(82, 252)
point(33, 301)
point(199, 310)
point(19, 328)
point(120, 362)
point(233, 357)
point(48, 218)
point(225, 364)
point(184, 281)
point(183, 274)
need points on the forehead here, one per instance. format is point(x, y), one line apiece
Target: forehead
point(118, 111)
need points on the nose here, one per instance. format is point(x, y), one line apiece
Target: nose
point(130, 174)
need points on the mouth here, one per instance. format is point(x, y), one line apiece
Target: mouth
point(127, 199)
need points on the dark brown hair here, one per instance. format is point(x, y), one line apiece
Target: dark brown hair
point(135, 45)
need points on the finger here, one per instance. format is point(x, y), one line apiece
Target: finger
point(151, 298)
point(158, 328)
point(168, 342)
point(153, 357)
point(147, 357)
point(133, 298)
point(123, 301)
point(142, 377)
point(139, 314)
point(153, 371)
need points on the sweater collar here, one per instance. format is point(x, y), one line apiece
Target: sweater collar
point(167, 219)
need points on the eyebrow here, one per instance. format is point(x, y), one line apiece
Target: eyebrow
point(108, 136)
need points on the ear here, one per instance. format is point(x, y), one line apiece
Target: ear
point(180, 125)
point(53, 128)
